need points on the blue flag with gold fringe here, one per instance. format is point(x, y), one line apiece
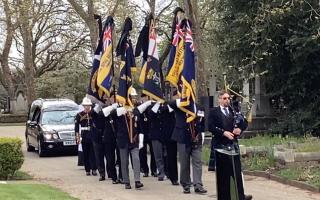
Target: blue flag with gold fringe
point(188, 94)
point(94, 91)
point(150, 73)
point(176, 55)
point(127, 65)
point(105, 72)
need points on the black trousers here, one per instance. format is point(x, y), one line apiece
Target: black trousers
point(99, 152)
point(212, 160)
point(88, 155)
point(171, 161)
point(143, 155)
point(110, 152)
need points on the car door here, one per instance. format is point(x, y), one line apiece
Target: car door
point(34, 128)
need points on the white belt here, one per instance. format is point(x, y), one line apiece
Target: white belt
point(85, 128)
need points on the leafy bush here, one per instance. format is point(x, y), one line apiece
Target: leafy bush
point(11, 157)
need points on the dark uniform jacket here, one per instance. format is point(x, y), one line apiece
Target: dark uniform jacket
point(218, 123)
point(83, 125)
point(143, 120)
point(98, 123)
point(109, 132)
point(123, 127)
point(182, 131)
point(155, 123)
point(168, 122)
point(198, 125)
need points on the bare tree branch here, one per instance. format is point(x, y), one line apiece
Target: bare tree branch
point(165, 8)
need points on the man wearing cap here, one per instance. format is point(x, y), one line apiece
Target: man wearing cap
point(83, 130)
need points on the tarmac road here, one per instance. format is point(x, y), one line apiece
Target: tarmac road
point(63, 172)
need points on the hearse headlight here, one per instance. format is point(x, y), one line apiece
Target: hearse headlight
point(55, 136)
point(49, 135)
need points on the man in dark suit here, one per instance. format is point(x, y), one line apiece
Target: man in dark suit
point(221, 122)
point(143, 154)
point(224, 125)
point(189, 137)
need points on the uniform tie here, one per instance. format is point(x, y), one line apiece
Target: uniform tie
point(226, 112)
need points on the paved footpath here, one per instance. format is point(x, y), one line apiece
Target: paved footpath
point(62, 172)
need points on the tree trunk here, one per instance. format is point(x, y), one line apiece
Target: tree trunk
point(192, 13)
point(6, 72)
point(26, 32)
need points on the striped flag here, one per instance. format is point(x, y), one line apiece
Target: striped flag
point(176, 57)
point(125, 51)
point(105, 72)
point(188, 94)
point(150, 73)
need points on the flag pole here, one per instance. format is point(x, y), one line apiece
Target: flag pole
point(112, 62)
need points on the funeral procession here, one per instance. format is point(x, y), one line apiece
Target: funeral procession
point(159, 99)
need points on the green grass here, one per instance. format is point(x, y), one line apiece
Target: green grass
point(260, 162)
point(205, 155)
point(32, 192)
point(13, 124)
point(309, 146)
point(20, 175)
point(309, 174)
point(270, 140)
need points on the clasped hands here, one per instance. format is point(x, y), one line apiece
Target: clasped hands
point(233, 134)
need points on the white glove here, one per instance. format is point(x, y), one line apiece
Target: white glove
point(107, 110)
point(178, 102)
point(155, 108)
point(97, 108)
point(202, 135)
point(170, 109)
point(141, 137)
point(115, 105)
point(121, 111)
point(144, 106)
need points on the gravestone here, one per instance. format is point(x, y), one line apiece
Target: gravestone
point(261, 106)
point(19, 103)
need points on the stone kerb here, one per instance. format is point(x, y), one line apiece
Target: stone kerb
point(283, 153)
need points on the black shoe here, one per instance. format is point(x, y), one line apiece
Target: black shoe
point(88, 173)
point(138, 184)
point(121, 181)
point(211, 169)
point(127, 186)
point(145, 175)
point(154, 174)
point(94, 173)
point(160, 178)
point(247, 196)
point(102, 178)
point(174, 182)
point(115, 181)
point(200, 190)
point(186, 190)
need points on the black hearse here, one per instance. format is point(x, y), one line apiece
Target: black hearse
point(50, 126)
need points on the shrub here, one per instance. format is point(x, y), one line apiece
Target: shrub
point(11, 157)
